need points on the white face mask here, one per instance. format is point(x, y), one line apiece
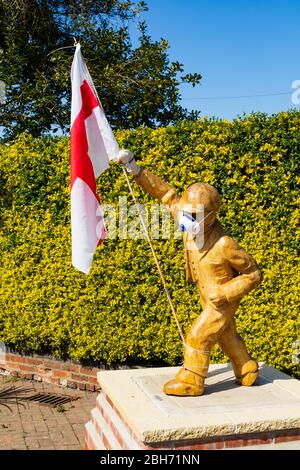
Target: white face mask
point(188, 224)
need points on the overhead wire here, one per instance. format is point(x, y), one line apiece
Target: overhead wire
point(237, 96)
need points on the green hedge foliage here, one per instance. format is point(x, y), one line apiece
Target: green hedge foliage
point(119, 312)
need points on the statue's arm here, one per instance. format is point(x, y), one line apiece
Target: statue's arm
point(150, 183)
point(155, 186)
point(249, 275)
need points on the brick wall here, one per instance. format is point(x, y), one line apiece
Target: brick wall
point(47, 369)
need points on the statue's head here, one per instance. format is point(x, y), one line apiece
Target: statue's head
point(199, 201)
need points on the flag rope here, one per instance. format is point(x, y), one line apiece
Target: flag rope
point(163, 280)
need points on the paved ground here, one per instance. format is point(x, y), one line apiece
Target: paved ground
point(38, 426)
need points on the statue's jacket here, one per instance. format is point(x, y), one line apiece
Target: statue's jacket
point(219, 262)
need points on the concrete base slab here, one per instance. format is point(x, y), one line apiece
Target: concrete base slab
point(138, 414)
point(222, 395)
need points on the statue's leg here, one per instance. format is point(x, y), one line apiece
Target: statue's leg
point(245, 368)
point(204, 333)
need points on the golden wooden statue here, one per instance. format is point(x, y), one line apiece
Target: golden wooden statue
point(223, 272)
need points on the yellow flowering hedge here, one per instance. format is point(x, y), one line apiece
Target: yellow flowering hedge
point(119, 313)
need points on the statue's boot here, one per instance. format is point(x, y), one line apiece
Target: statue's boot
point(186, 383)
point(189, 380)
point(245, 368)
point(246, 373)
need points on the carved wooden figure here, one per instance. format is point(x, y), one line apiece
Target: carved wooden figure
point(223, 272)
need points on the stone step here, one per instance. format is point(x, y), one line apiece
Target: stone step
point(94, 436)
point(116, 425)
point(106, 435)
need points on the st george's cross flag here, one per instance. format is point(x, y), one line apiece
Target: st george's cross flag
point(93, 145)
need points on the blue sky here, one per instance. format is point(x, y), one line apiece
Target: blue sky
point(240, 48)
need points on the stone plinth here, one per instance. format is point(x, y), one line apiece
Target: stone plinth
point(133, 413)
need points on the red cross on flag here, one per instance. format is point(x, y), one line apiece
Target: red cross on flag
point(93, 145)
